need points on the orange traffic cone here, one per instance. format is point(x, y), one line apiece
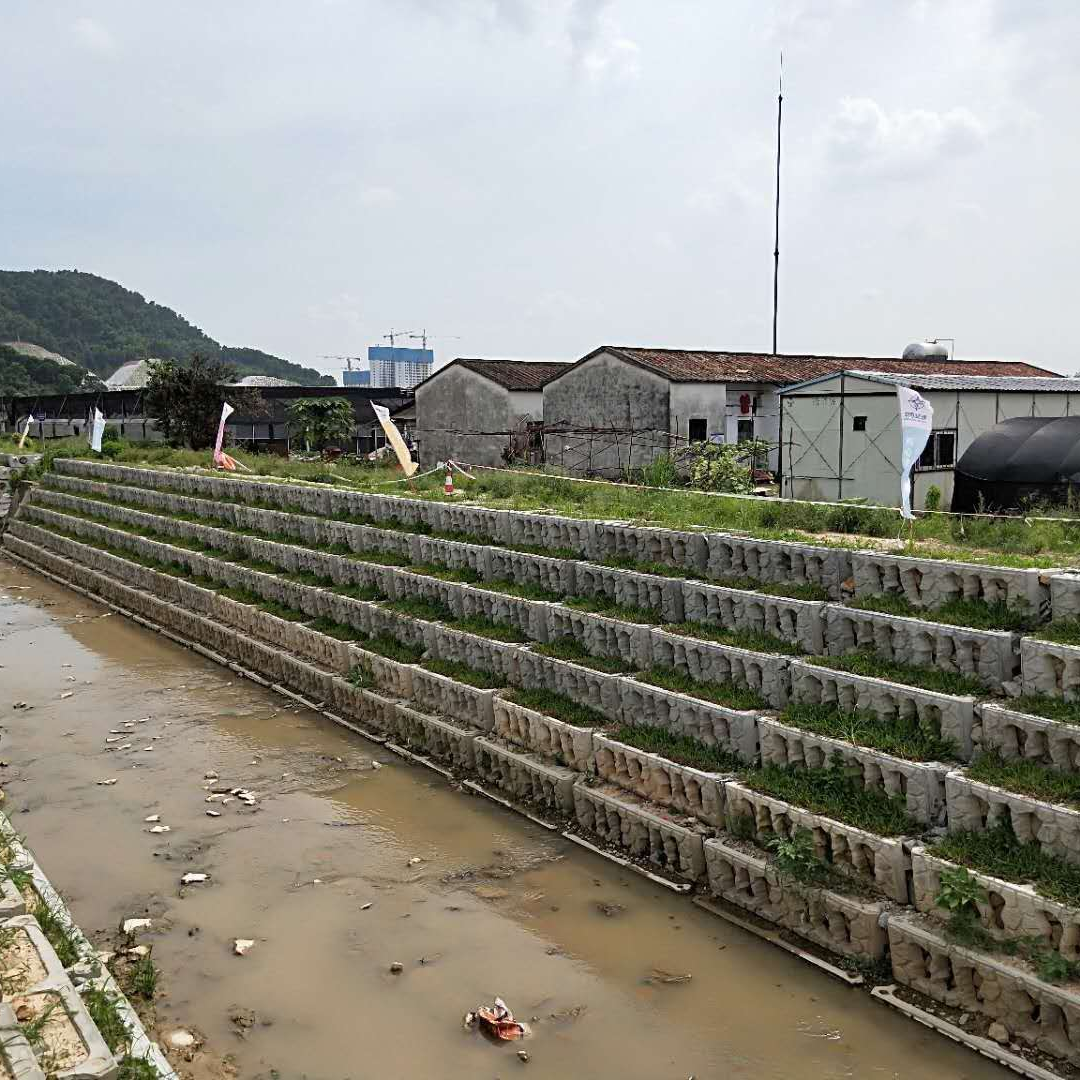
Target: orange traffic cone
point(448, 485)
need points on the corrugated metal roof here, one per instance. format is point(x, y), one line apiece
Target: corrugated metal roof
point(514, 374)
point(689, 365)
point(970, 382)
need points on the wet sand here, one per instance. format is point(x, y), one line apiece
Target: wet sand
point(495, 906)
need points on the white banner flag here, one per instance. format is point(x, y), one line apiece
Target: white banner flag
point(97, 429)
point(393, 437)
point(916, 420)
point(226, 411)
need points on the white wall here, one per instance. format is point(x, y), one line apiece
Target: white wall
point(690, 401)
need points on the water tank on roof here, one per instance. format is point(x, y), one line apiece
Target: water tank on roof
point(927, 350)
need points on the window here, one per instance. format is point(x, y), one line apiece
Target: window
point(940, 452)
point(698, 429)
point(858, 423)
point(746, 428)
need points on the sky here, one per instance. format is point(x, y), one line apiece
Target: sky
point(535, 178)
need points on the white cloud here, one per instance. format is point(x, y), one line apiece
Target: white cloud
point(378, 196)
point(93, 36)
point(598, 47)
point(867, 139)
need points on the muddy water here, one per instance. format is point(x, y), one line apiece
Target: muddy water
point(494, 906)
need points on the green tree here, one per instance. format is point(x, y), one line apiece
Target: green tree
point(186, 399)
point(727, 466)
point(321, 422)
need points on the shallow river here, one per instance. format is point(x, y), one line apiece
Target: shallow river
point(495, 906)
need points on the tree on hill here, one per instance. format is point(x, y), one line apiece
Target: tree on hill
point(20, 375)
point(100, 324)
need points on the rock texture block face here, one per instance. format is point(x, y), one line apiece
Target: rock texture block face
point(436, 694)
point(1009, 911)
point(524, 778)
point(545, 531)
point(1064, 595)
point(974, 807)
point(436, 738)
point(679, 788)
point(631, 589)
point(556, 575)
point(1033, 1012)
point(602, 636)
point(733, 730)
point(954, 717)
point(1021, 736)
point(778, 562)
point(1049, 668)
point(544, 735)
point(596, 689)
point(835, 922)
point(479, 653)
point(920, 785)
point(685, 551)
point(618, 818)
point(929, 583)
point(800, 622)
point(990, 655)
point(708, 661)
point(881, 860)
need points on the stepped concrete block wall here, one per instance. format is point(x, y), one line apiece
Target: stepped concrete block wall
point(929, 583)
point(1049, 668)
point(880, 859)
point(708, 661)
point(624, 821)
point(1034, 1012)
point(540, 571)
point(799, 622)
point(632, 589)
point(388, 676)
point(974, 806)
point(1007, 911)
point(450, 553)
point(921, 785)
point(954, 717)
point(990, 655)
point(630, 643)
point(480, 653)
point(778, 562)
point(542, 734)
point(1065, 594)
point(733, 730)
point(1021, 736)
point(526, 779)
point(437, 738)
point(838, 923)
point(685, 551)
point(442, 696)
point(596, 689)
point(681, 788)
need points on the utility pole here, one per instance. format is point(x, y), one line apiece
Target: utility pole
point(776, 244)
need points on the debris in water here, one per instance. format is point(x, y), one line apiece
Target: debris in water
point(376, 764)
point(396, 968)
point(194, 879)
point(666, 977)
point(160, 828)
point(609, 909)
point(107, 783)
point(180, 1039)
point(139, 951)
point(67, 694)
point(133, 926)
point(523, 1055)
point(153, 819)
point(210, 776)
point(364, 907)
point(20, 705)
point(213, 813)
point(241, 945)
point(496, 1019)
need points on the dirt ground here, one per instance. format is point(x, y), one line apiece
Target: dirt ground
point(343, 868)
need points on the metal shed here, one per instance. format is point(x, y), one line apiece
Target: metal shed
point(840, 434)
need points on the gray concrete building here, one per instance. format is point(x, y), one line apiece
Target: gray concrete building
point(467, 410)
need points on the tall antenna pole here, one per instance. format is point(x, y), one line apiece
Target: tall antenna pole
point(776, 245)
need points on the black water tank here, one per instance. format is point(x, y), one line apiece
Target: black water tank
point(1020, 462)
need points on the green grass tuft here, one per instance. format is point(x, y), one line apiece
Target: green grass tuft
point(570, 649)
point(753, 640)
point(557, 705)
point(869, 663)
point(478, 677)
point(1026, 778)
point(726, 694)
point(905, 737)
point(679, 748)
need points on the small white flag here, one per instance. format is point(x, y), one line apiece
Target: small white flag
point(916, 422)
point(97, 429)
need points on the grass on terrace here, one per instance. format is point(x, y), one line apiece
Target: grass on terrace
point(753, 640)
point(570, 649)
point(1026, 778)
point(1010, 542)
point(726, 694)
point(557, 705)
point(1050, 708)
point(976, 614)
point(477, 677)
point(872, 665)
point(679, 748)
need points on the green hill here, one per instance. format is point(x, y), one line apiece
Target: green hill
point(20, 374)
point(101, 325)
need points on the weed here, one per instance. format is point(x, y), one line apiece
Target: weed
point(726, 694)
point(106, 1016)
point(869, 663)
point(404, 652)
point(526, 590)
point(360, 676)
point(143, 978)
point(1063, 631)
point(420, 607)
point(58, 935)
point(599, 604)
point(336, 630)
point(753, 640)
point(1026, 777)
point(797, 858)
point(741, 826)
point(570, 649)
point(905, 736)
point(1051, 708)
point(958, 892)
point(977, 614)
point(557, 705)
point(875, 970)
point(133, 1068)
point(679, 748)
point(497, 631)
point(446, 573)
point(478, 677)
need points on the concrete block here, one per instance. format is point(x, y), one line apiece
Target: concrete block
point(778, 561)
point(639, 829)
point(881, 860)
point(585, 685)
point(545, 531)
point(632, 589)
point(440, 696)
point(16, 1056)
point(542, 734)
point(709, 661)
point(1009, 911)
point(434, 737)
point(929, 583)
point(974, 806)
point(920, 785)
point(954, 717)
point(450, 553)
point(835, 922)
point(680, 788)
point(1022, 737)
point(525, 778)
point(800, 622)
point(1049, 668)
point(556, 575)
point(1034, 1013)
point(389, 677)
point(479, 653)
point(1064, 594)
point(989, 655)
point(733, 730)
point(603, 636)
point(685, 551)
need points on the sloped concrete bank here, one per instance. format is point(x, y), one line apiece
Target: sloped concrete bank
point(291, 622)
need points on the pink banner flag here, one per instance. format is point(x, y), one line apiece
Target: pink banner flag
point(226, 411)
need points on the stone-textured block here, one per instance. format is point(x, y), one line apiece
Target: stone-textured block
point(596, 689)
point(920, 785)
point(778, 561)
point(658, 780)
point(1050, 668)
point(544, 735)
point(541, 571)
point(618, 818)
point(436, 738)
point(953, 717)
point(799, 622)
point(632, 589)
point(602, 636)
point(841, 924)
point(441, 696)
point(1064, 594)
point(525, 778)
point(1021, 736)
point(1033, 1012)
point(882, 860)
point(686, 551)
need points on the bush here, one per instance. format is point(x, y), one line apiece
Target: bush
point(933, 498)
point(725, 467)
